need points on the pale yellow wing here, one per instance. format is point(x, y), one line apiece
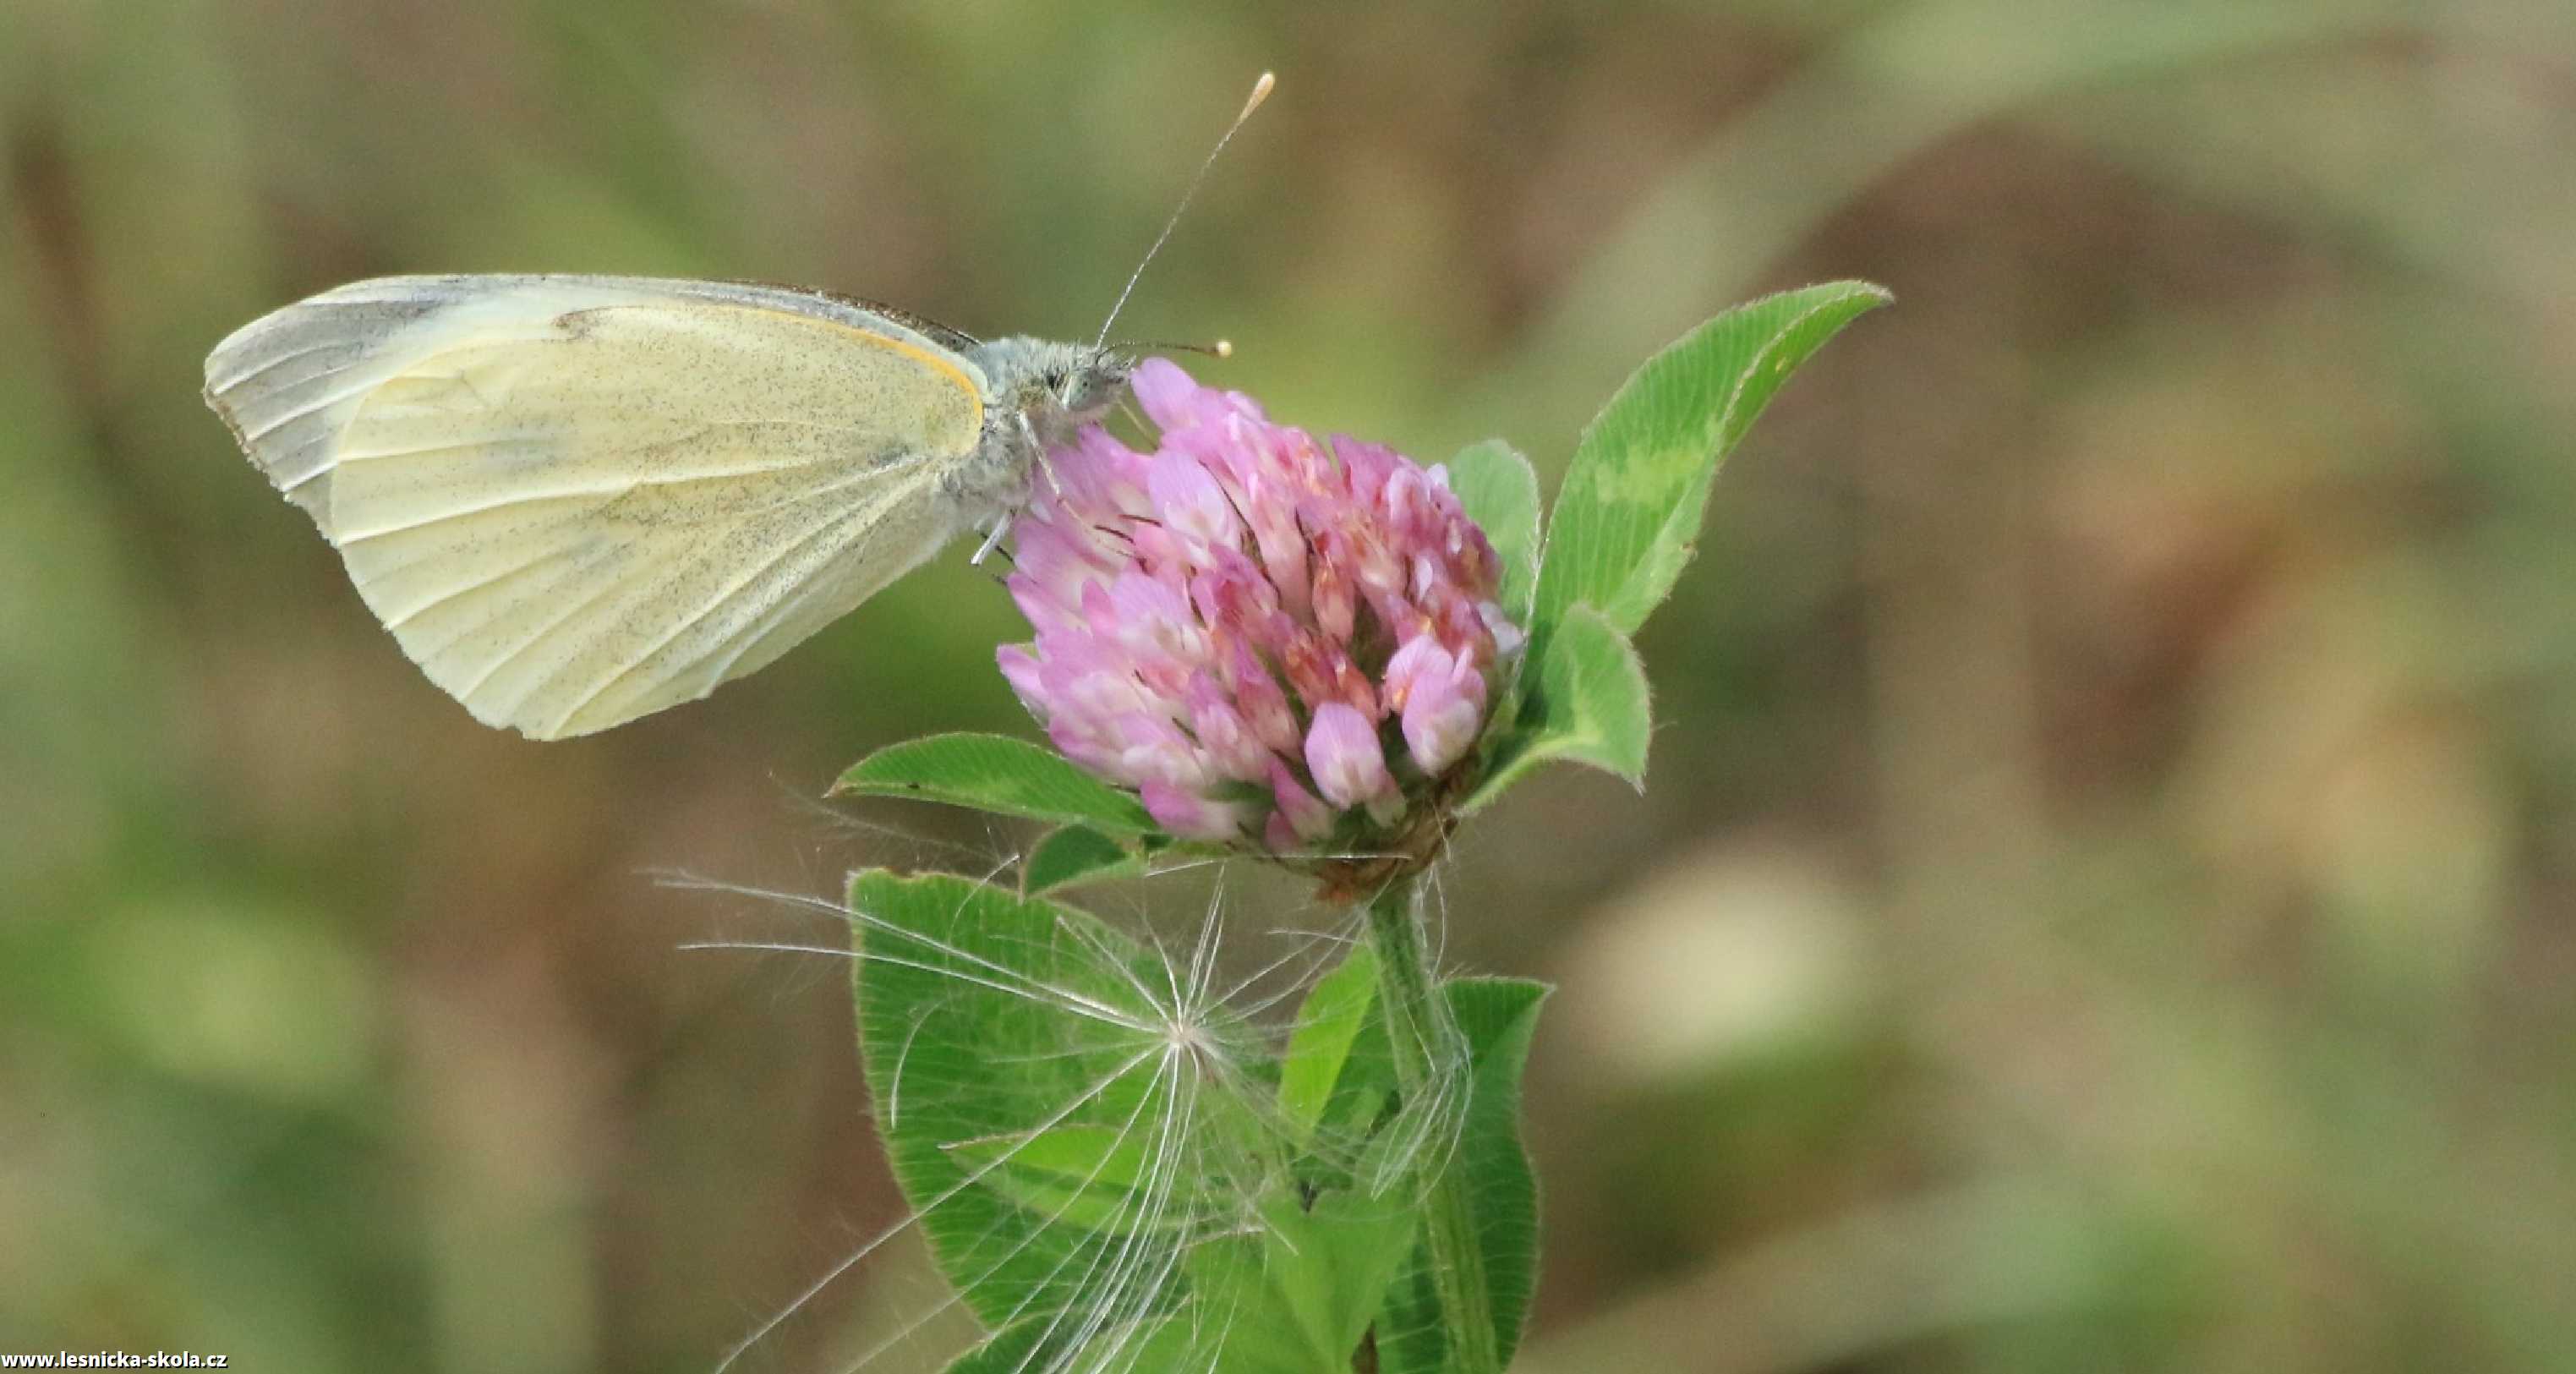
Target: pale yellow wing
point(576, 500)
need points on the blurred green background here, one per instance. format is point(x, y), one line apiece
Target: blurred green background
point(2104, 896)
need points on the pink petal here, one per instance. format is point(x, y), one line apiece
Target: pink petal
point(1191, 815)
point(1446, 709)
point(1265, 708)
point(1418, 657)
point(1188, 498)
point(1336, 605)
point(1170, 399)
point(1306, 815)
point(1342, 754)
point(1223, 734)
point(1152, 749)
point(1020, 668)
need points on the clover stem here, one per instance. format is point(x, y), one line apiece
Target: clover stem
point(1429, 1049)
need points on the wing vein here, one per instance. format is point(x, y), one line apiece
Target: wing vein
point(240, 379)
point(396, 623)
point(538, 636)
point(611, 490)
point(276, 423)
point(717, 602)
point(543, 436)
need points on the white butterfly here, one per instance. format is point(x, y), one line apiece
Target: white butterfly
point(578, 499)
point(575, 500)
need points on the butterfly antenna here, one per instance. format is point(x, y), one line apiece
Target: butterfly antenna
point(1260, 92)
point(1222, 348)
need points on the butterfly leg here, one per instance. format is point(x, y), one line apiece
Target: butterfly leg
point(992, 538)
point(1002, 522)
point(1046, 465)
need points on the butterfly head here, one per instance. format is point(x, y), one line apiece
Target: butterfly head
point(1092, 382)
point(1054, 388)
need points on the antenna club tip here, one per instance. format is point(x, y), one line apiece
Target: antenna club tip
point(1225, 348)
point(1260, 89)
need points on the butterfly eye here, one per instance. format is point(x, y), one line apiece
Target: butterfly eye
point(1087, 389)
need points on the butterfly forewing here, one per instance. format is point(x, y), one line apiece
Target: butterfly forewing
point(576, 500)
